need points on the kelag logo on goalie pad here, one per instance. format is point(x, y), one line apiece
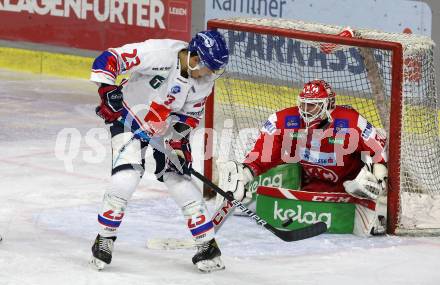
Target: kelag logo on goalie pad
point(339, 217)
point(298, 215)
point(284, 176)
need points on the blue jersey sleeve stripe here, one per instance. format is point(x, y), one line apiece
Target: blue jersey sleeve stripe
point(106, 63)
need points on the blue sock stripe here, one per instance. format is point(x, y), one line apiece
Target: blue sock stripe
point(109, 223)
point(203, 228)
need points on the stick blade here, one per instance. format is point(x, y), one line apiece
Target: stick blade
point(303, 233)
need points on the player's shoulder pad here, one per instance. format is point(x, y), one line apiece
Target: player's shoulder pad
point(290, 111)
point(345, 111)
point(345, 116)
point(270, 125)
point(161, 53)
point(287, 118)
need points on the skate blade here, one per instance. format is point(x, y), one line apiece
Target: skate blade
point(207, 266)
point(97, 264)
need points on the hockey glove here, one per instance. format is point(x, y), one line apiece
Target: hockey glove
point(369, 183)
point(380, 171)
point(156, 119)
point(110, 108)
point(181, 162)
point(233, 177)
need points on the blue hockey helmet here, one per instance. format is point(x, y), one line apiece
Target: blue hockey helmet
point(211, 49)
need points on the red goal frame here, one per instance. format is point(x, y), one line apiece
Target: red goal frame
point(394, 135)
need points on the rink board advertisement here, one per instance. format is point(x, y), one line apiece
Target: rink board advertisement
point(268, 50)
point(394, 16)
point(305, 208)
point(94, 24)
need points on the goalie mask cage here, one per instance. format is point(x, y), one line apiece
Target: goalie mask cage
point(388, 78)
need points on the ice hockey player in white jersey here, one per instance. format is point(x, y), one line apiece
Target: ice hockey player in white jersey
point(168, 79)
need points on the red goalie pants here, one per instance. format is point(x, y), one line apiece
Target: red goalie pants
point(323, 186)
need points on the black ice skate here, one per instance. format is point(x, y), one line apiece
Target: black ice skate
point(207, 258)
point(102, 251)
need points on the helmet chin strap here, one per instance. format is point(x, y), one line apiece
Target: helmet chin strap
point(189, 67)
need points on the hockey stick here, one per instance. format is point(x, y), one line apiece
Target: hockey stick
point(286, 235)
point(292, 235)
point(218, 219)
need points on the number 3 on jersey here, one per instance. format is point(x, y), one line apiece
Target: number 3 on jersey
point(170, 99)
point(130, 59)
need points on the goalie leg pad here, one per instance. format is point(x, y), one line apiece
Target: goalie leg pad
point(363, 221)
point(368, 222)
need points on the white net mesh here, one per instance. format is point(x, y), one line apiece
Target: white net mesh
point(266, 71)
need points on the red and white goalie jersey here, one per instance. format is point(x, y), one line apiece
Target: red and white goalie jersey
point(329, 152)
point(156, 87)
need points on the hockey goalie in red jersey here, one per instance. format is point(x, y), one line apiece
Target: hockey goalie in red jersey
point(337, 148)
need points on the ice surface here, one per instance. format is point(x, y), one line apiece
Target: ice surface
point(48, 214)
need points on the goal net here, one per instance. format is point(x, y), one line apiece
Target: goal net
point(389, 78)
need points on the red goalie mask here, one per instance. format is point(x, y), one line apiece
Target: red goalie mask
point(315, 101)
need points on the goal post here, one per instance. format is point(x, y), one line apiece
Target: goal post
point(387, 77)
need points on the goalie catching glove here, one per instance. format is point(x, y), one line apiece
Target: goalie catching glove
point(369, 183)
point(233, 177)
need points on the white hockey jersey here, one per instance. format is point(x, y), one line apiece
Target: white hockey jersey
point(155, 80)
